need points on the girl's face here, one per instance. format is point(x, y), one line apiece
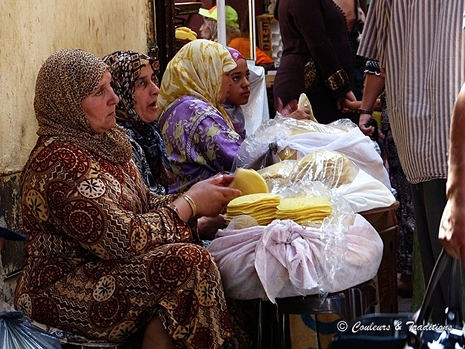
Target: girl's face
point(239, 89)
point(146, 95)
point(225, 84)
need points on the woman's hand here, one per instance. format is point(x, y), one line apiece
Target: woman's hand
point(212, 195)
point(208, 226)
point(292, 110)
point(341, 101)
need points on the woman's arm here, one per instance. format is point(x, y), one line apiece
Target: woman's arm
point(452, 229)
point(309, 18)
point(102, 206)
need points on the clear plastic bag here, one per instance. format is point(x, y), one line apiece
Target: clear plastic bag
point(293, 139)
point(334, 170)
point(17, 332)
point(286, 259)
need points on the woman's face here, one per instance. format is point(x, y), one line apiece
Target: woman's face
point(205, 29)
point(239, 89)
point(146, 95)
point(100, 105)
point(225, 83)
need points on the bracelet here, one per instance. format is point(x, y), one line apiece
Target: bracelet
point(365, 111)
point(191, 204)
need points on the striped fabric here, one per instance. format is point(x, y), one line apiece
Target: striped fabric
point(421, 45)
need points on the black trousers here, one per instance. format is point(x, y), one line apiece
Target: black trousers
point(429, 200)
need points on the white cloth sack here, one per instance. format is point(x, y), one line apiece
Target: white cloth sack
point(366, 193)
point(284, 259)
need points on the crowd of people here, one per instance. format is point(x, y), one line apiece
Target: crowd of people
point(130, 173)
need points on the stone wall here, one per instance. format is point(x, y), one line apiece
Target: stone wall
point(30, 31)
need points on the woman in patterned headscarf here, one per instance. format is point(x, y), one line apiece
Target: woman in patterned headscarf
point(199, 136)
point(106, 258)
point(135, 82)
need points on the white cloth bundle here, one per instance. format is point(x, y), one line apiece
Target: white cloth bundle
point(285, 259)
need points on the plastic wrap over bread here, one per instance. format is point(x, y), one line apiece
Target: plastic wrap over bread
point(260, 148)
point(336, 172)
point(294, 139)
point(329, 167)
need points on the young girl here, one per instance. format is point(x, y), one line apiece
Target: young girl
point(239, 93)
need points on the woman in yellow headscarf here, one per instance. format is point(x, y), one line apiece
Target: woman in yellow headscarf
point(199, 136)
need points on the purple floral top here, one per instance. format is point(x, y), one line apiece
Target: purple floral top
point(237, 117)
point(198, 141)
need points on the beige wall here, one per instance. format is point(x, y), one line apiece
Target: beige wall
point(30, 31)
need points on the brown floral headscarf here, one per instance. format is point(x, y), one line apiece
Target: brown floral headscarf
point(65, 79)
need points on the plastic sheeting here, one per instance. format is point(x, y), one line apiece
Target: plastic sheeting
point(256, 111)
point(293, 139)
point(17, 332)
point(365, 183)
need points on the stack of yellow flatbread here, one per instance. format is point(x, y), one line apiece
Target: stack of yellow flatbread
point(304, 210)
point(249, 181)
point(260, 206)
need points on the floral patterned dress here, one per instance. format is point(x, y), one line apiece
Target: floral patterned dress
point(104, 255)
point(199, 142)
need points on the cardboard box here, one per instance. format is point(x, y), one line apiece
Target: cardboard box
point(264, 33)
point(384, 220)
point(387, 272)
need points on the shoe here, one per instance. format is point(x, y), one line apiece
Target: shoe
point(404, 288)
point(404, 293)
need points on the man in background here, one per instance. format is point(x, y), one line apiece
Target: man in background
point(420, 44)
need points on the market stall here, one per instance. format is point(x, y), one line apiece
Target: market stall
point(321, 224)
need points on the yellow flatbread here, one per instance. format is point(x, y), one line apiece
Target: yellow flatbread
point(260, 206)
point(304, 209)
point(250, 199)
point(249, 181)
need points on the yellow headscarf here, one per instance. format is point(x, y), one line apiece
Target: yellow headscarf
point(196, 70)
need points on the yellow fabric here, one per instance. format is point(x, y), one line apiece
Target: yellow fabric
point(196, 70)
point(184, 33)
